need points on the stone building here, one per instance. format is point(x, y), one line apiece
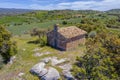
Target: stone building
point(66, 38)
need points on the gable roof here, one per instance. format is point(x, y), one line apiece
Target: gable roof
point(72, 31)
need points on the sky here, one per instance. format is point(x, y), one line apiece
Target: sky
point(101, 5)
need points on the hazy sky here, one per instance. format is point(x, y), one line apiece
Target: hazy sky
point(61, 4)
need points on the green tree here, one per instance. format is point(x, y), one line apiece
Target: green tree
point(94, 66)
point(38, 32)
point(7, 48)
point(112, 45)
point(102, 58)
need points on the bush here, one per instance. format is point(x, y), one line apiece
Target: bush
point(43, 41)
point(92, 34)
point(64, 22)
point(13, 49)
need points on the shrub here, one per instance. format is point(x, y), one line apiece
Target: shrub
point(64, 22)
point(43, 41)
point(92, 34)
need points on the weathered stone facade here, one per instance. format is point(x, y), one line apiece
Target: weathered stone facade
point(66, 38)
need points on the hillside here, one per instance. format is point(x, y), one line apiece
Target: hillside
point(12, 11)
point(98, 59)
point(114, 11)
point(23, 23)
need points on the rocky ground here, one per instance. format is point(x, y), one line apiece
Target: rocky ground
point(48, 72)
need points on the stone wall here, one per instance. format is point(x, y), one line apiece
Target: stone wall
point(61, 41)
point(75, 42)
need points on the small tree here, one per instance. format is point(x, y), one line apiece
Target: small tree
point(41, 34)
point(38, 32)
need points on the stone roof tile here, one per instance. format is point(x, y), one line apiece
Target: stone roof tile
point(71, 31)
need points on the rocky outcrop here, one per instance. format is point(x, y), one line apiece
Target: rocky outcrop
point(45, 73)
point(50, 73)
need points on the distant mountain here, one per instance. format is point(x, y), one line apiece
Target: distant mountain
point(114, 11)
point(12, 11)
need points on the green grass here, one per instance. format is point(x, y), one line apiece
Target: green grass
point(25, 59)
point(12, 19)
point(21, 29)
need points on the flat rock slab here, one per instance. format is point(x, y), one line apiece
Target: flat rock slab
point(67, 67)
point(54, 60)
point(37, 54)
point(52, 74)
point(45, 73)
